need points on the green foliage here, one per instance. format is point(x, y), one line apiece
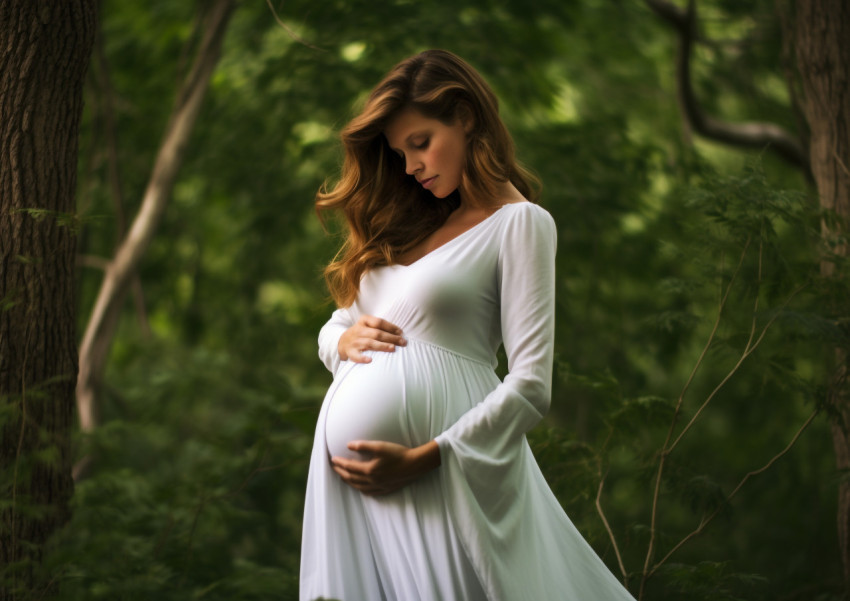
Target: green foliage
point(198, 473)
point(709, 581)
point(741, 239)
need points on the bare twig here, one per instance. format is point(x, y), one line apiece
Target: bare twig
point(707, 519)
point(665, 449)
point(748, 348)
point(752, 344)
point(608, 529)
point(288, 29)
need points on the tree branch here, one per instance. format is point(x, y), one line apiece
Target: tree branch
point(707, 519)
point(163, 176)
point(666, 448)
point(758, 135)
point(752, 344)
point(611, 537)
point(289, 30)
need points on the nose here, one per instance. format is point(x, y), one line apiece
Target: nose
point(411, 165)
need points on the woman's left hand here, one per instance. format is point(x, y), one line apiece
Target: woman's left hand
point(389, 467)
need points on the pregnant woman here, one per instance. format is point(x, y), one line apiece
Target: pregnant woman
point(422, 486)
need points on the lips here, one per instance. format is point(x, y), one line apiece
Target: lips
point(426, 183)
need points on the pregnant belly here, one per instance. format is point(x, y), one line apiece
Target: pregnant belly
point(382, 400)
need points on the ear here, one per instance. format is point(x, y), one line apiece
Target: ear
point(466, 117)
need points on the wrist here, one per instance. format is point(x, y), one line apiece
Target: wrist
point(427, 457)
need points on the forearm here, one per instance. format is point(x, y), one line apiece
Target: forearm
point(329, 337)
point(426, 457)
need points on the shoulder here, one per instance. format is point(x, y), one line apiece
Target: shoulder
point(528, 234)
point(528, 217)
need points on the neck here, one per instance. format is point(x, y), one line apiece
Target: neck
point(506, 192)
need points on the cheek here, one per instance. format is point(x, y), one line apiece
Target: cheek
point(449, 157)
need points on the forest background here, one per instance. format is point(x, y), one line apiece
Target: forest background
point(691, 434)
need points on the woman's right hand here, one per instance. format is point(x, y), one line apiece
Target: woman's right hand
point(369, 334)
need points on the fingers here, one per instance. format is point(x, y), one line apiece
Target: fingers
point(358, 471)
point(385, 337)
point(358, 357)
point(366, 446)
point(364, 484)
point(372, 340)
point(381, 330)
point(369, 334)
point(349, 477)
point(351, 466)
point(380, 324)
point(355, 349)
point(357, 474)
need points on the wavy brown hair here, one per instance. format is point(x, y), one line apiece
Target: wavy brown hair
point(387, 213)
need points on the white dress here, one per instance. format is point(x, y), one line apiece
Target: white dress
point(484, 525)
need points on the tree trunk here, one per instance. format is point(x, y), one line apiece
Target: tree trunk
point(44, 52)
point(822, 41)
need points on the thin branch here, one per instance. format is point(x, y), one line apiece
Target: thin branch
point(608, 529)
point(714, 328)
point(707, 519)
point(757, 135)
point(665, 449)
point(752, 344)
point(748, 349)
point(288, 29)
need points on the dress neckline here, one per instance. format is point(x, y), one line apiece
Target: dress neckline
point(459, 236)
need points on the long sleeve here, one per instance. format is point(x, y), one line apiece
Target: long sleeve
point(486, 435)
point(339, 322)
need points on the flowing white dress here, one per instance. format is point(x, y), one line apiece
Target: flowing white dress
point(484, 525)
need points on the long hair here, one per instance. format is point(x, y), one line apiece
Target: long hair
point(387, 213)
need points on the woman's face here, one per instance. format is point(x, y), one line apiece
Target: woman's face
point(433, 152)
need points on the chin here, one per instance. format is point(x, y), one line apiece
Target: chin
point(441, 193)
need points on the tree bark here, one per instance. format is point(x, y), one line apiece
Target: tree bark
point(44, 52)
point(822, 43)
point(100, 329)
